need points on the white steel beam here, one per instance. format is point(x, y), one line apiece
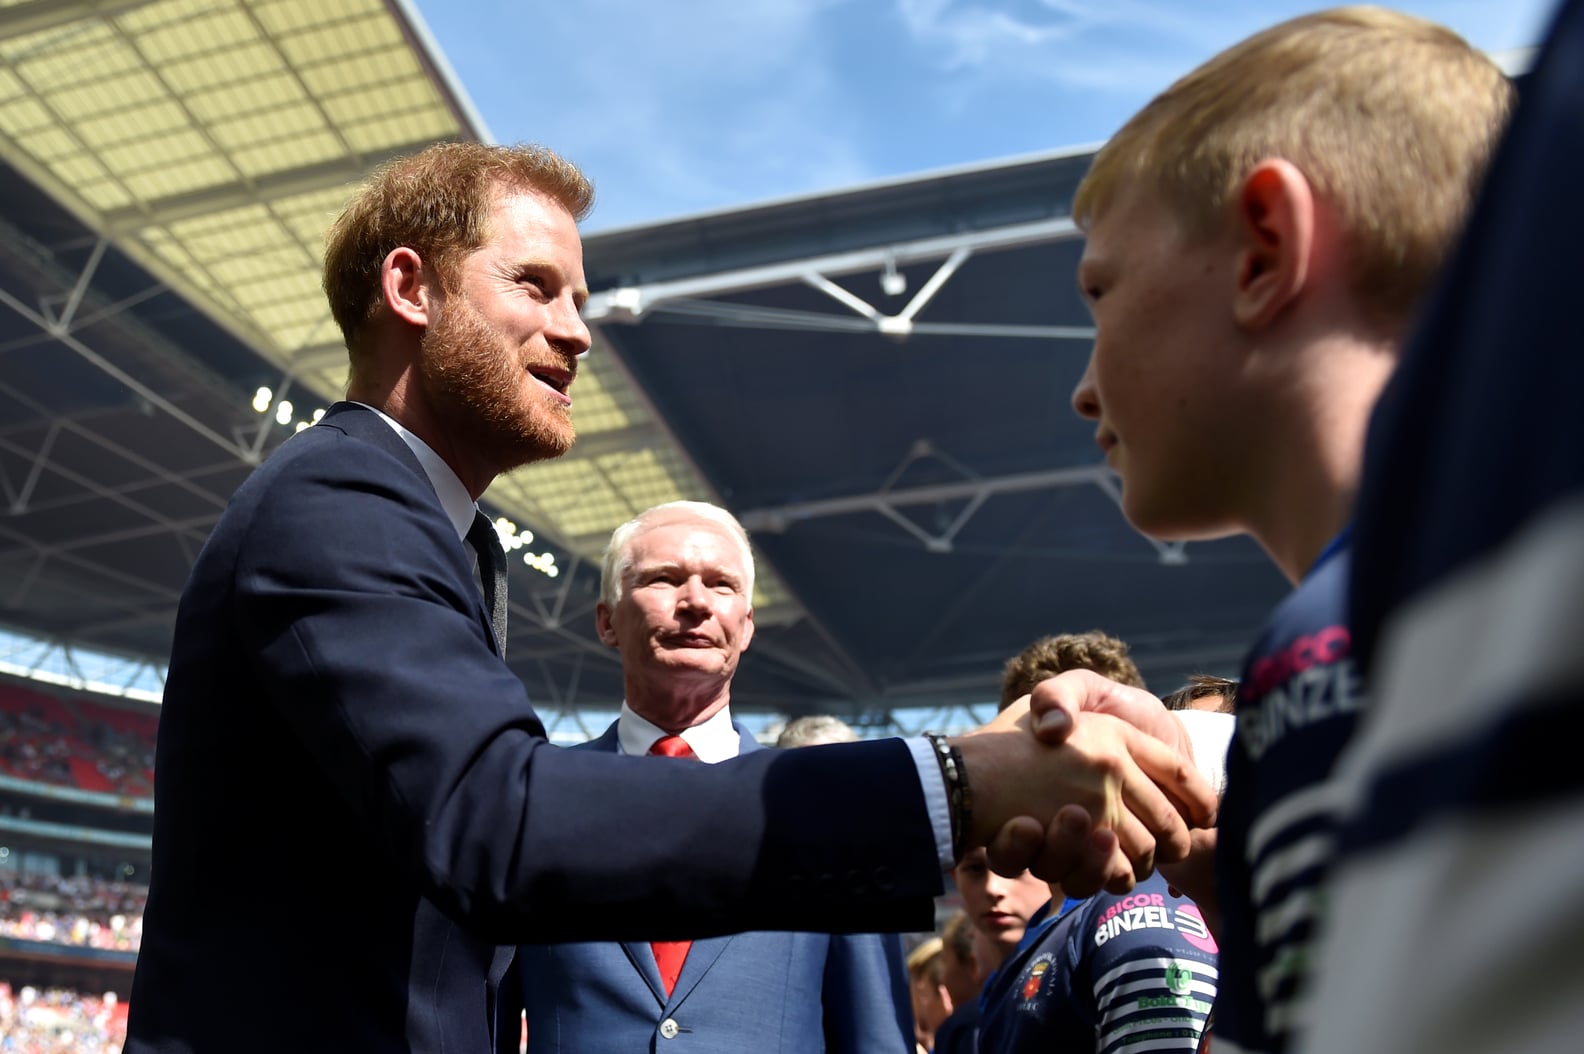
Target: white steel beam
point(778, 518)
point(93, 487)
point(69, 312)
point(748, 316)
point(183, 481)
point(132, 383)
point(629, 303)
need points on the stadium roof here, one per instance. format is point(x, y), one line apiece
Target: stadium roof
point(923, 500)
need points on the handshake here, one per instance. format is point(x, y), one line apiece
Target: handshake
point(1089, 783)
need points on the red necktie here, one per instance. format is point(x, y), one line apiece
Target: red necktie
point(670, 955)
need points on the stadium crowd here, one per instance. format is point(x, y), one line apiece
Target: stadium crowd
point(79, 911)
point(59, 1021)
point(80, 745)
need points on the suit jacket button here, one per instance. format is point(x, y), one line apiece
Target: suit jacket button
point(669, 1028)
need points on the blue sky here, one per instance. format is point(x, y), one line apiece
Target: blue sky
point(691, 105)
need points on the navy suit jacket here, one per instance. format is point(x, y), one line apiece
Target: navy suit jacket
point(355, 802)
point(797, 993)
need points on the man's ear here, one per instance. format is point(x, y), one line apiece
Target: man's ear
point(405, 284)
point(602, 624)
point(748, 631)
point(1275, 216)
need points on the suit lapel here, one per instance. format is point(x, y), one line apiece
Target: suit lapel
point(701, 956)
point(642, 958)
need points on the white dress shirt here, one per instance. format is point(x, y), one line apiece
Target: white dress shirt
point(714, 740)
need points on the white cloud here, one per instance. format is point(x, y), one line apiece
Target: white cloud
point(1068, 41)
point(1066, 51)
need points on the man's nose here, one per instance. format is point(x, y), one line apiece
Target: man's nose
point(566, 329)
point(692, 593)
point(1085, 397)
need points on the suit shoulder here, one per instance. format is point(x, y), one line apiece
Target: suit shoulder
point(326, 460)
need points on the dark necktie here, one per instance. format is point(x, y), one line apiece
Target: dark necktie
point(492, 573)
point(670, 955)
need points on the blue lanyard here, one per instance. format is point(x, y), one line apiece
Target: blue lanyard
point(1343, 539)
point(1043, 920)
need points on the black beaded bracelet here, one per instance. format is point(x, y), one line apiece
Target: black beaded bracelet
point(958, 797)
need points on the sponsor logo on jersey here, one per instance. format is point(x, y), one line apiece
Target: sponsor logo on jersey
point(1179, 982)
point(1323, 648)
point(1149, 911)
point(1312, 694)
point(1191, 924)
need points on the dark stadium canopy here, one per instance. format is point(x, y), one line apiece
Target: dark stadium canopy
point(876, 381)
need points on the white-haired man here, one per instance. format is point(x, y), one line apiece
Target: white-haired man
point(676, 600)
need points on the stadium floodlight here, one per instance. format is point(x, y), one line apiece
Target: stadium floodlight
point(261, 400)
point(283, 412)
point(892, 281)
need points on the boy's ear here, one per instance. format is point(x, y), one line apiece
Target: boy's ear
point(1275, 219)
point(404, 283)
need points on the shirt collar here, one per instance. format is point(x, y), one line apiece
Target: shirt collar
point(454, 498)
point(713, 740)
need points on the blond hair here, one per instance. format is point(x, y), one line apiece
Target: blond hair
point(957, 937)
point(925, 961)
point(437, 203)
point(1391, 118)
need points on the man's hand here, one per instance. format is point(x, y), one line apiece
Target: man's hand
point(1072, 841)
point(1056, 701)
point(1033, 803)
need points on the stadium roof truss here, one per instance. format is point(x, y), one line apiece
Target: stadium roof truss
point(697, 298)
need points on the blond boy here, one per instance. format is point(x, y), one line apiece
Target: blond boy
point(1259, 237)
